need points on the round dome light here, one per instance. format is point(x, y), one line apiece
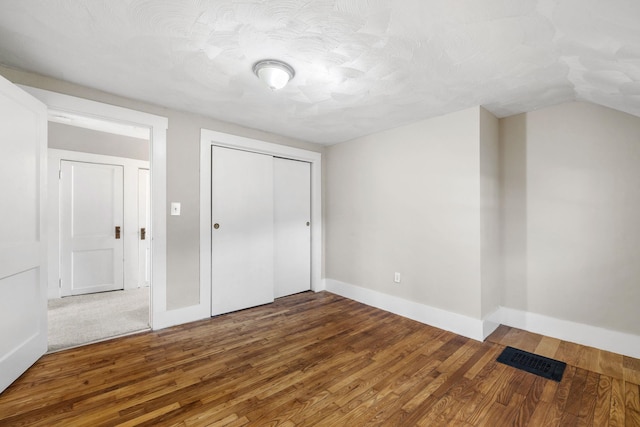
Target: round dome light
point(275, 74)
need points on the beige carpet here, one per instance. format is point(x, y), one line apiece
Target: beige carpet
point(87, 318)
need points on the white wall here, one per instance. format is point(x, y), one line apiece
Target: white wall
point(573, 203)
point(408, 200)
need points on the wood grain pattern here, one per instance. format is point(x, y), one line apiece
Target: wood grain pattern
point(319, 360)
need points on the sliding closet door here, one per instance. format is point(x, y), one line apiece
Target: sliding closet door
point(292, 216)
point(242, 230)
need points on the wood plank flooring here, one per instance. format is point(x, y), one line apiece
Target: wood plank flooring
point(320, 360)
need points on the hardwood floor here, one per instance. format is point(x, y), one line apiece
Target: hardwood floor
point(320, 360)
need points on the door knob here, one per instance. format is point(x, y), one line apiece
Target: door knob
point(143, 233)
point(216, 225)
point(117, 231)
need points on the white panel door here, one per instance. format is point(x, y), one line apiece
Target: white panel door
point(242, 230)
point(144, 230)
point(91, 234)
point(23, 287)
point(292, 216)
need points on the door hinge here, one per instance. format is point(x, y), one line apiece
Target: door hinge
point(59, 173)
point(60, 283)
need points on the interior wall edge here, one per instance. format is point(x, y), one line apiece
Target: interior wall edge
point(491, 322)
point(322, 285)
point(490, 216)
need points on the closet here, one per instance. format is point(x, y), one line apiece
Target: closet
point(260, 233)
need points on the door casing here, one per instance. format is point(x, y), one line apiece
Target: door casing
point(210, 138)
point(160, 316)
point(144, 227)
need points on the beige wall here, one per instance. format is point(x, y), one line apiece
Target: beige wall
point(513, 192)
point(571, 177)
point(73, 138)
point(537, 212)
point(408, 200)
point(490, 224)
point(421, 200)
point(183, 139)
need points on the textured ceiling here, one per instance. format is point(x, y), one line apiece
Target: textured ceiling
point(361, 65)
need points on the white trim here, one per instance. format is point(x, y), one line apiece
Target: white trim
point(158, 126)
point(490, 323)
point(593, 336)
point(130, 169)
point(205, 224)
point(447, 320)
point(182, 315)
point(207, 140)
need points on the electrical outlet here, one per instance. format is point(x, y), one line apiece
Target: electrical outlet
point(396, 277)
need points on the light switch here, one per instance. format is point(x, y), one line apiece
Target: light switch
point(175, 208)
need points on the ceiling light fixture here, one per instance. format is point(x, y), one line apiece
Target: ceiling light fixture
point(275, 74)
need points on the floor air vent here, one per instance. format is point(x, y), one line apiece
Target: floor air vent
point(529, 362)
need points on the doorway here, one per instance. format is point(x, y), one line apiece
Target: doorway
point(97, 204)
point(57, 102)
point(26, 264)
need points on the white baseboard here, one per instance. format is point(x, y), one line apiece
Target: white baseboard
point(447, 320)
point(491, 323)
point(322, 286)
point(165, 319)
point(593, 336)
point(579, 333)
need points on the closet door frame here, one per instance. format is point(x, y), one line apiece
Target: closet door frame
point(208, 139)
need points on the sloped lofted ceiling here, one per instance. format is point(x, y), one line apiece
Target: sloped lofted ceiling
point(361, 65)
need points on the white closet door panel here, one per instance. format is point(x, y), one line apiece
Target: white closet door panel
point(242, 243)
point(292, 213)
